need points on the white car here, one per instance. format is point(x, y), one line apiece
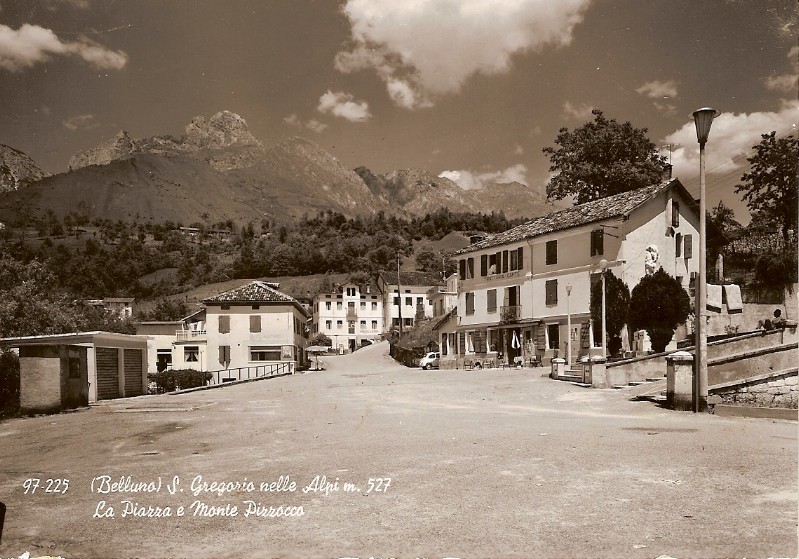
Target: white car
point(430, 360)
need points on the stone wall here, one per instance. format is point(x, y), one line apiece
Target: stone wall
point(773, 390)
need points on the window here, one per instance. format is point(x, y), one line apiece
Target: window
point(363, 324)
point(688, 249)
point(484, 265)
point(256, 307)
point(255, 323)
point(420, 300)
point(224, 324)
point(552, 252)
point(225, 306)
point(504, 261)
point(224, 355)
point(407, 321)
point(339, 324)
point(374, 305)
point(408, 301)
point(163, 360)
point(553, 336)
point(328, 324)
point(396, 301)
point(374, 325)
point(675, 213)
point(264, 353)
point(350, 292)
point(327, 305)
point(491, 296)
point(470, 303)
point(492, 264)
point(191, 354)
point(363, 305)
point(339, 306)
point(520, 258)
point(514, 260)
point(552, 292)
point(597, 242)
point(678, 245)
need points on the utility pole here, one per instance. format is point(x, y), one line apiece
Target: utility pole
point(399, 294)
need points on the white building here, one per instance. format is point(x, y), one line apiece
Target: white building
point(405, 297)
point(519, 290)
point(350, 316)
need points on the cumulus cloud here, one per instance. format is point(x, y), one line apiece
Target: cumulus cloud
point(344, 105)
point(786, 82)
point(469, 180)
point(31, 44)
point(313, 125)
point(427, 48)
point(731, 136)
point(578, 112)
point(80, 122)
point(660, 92)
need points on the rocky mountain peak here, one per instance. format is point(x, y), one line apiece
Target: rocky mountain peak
point(224, 129)
point(17, 169)
point(121, 146)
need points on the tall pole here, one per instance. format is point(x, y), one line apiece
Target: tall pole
point(700, 380)
point(703, 119)
point(399, 293)
point(604, 319)
point(568, 327)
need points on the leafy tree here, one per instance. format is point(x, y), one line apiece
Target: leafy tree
point(771, 184)
point(321, 339)
point(602, 158)
point(617, 306)
point(658, 304)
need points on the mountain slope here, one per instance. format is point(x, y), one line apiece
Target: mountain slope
point(17, 169)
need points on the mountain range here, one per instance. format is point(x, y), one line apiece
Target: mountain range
point(219, 171)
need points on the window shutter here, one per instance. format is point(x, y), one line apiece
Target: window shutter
point(255, 323)
point(688, 248)
point(520, 258)
point(443, 344)
point(552, 292)
point(540, 338)
point(480, 341)
point(504, 261)
point(462, 269)
point(552, 252)
point(675, 213)
point(484, 265)
point(461, 342)
point(224, 324)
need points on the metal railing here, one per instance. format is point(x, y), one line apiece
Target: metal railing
point(510, 313)
point(257, 371)
point(189, 335)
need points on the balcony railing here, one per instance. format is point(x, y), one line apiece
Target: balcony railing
point(510, 313)
point(351, 314)
point(190, 335)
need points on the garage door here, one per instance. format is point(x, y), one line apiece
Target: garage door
point(133, 373)
point(107, 373)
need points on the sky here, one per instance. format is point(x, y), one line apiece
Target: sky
point(467, 89)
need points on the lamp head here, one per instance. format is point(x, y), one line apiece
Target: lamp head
point(703, 118)
point(603, 264)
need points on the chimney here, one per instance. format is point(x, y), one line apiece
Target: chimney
point(667, 171)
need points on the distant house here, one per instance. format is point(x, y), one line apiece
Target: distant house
point(249, 326)
point(405, 297)
point(350, 316)
point(519, 290)
point(121, 306)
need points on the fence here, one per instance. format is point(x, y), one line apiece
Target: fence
point(244, 373)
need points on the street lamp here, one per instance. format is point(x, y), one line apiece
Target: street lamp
point(603, 264)
point(703, 119)
point(568, 328)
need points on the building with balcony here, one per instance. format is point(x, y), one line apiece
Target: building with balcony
point(351, 315)
point(526, 292)
point(405, 298)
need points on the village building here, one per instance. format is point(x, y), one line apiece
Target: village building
point(351, 315)
point(404, 297)
point(524, 292)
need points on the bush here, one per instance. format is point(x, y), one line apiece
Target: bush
point(659, 304)
point(178, 379)
point(617, 306)
point(9, 383)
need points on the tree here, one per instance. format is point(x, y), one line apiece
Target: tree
point(659, 304)
point(617, 306)
point(771, 184)
point(602, 158)
point(321, 339)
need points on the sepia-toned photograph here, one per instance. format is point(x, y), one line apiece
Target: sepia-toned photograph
point(390, 279)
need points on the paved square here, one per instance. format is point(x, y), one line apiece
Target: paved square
point(493, 463)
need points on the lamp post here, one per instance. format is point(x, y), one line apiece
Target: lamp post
point(568, 327)
point(603, 264)
point(703, 119)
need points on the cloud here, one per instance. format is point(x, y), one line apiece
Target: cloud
point(80, 122)
point(313, 125)
point(77, 4)
point(731, 139)
point(785, 82)
point(469, 180)
point(579, 112)
point(657, 89)
point(343, 105)
point(31, 44)
point(424, 49)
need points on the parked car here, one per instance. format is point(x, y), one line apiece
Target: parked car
point(430, 360)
